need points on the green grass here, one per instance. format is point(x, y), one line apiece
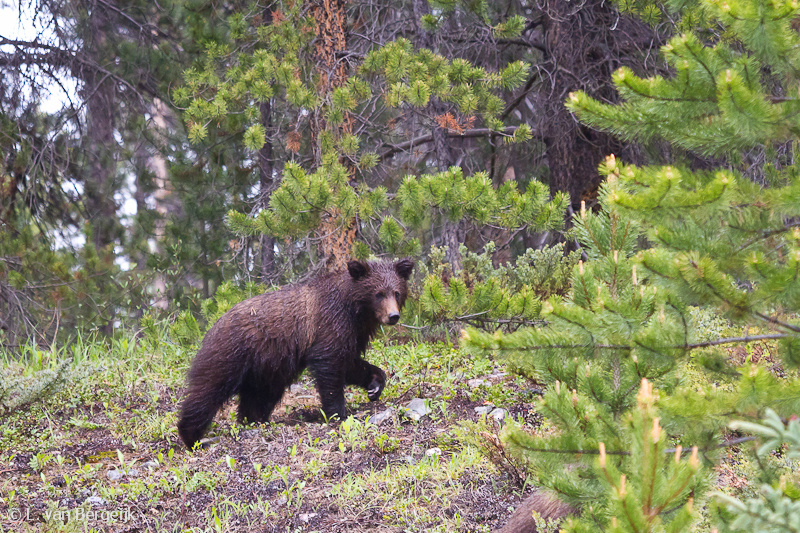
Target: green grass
point(116, 410)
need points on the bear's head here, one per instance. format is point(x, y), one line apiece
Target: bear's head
point(382, 287)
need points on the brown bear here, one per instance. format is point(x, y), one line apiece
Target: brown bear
point(262, 344)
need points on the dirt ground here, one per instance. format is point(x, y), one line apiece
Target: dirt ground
point(116, 465)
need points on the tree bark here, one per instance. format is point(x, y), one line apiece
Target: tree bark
point(584, 44)
point(158, 166)
point(99, 95)
point(266, 169)
point(337, 234)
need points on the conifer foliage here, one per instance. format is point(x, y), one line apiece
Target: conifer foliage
point(398, 77)
point(664, 242)
point(332, 173)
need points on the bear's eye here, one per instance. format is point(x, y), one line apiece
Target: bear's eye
point(380, 296)
point(396, 295)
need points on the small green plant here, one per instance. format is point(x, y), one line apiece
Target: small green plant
point(294, 494)
point(386, 444)
point(39, 461)
point(487, 296)
point(19, 391)
point(353, 434)
point(777, 509)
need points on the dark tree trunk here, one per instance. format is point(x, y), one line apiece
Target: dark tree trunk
point(99, 95)
point(452, 233)
point(266, 168)
point(584, 42)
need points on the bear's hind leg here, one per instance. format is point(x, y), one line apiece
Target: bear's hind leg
point(256, 402)
point(197, 412)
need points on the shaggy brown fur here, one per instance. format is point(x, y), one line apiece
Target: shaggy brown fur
point(544, 503)
point(261, 345)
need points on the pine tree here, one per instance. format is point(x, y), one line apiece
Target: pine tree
point(668, 240)
point(341, 182)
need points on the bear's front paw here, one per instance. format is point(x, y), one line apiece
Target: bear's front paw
point(375, 387)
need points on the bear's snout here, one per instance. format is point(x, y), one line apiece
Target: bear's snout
point(388, 311)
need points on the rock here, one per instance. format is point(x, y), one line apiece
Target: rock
point(306, 517)
point(250, 433)
point(535, 391)
point(296, 388)
point(115, 475)
point(283, 500)
point(484, 409)
point(433, 451)
point(95, 500)
point(475, 383)
point(207, 443)
point(409, 459)
point(132, 472)
point(150, 465)
point(382, 417)
point(498, 414)
point(417, 408)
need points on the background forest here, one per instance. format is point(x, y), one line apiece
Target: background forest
point(601, 197)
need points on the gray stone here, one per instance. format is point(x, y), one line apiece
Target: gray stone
point(250, 433)
point(296, 388)
point(208, 442)
point(95, 500)
point(115, 475)
point(484, 409)
point(306, 517)
point(498, 414)
point(417, 408)
point(132, 472)
point(475, 383)
point(382, 417)
point(150, 465)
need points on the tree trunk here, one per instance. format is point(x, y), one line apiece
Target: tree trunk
point(266, 181)
point(99, 95)
point(336, 234)
point(266, 169)
point(453, 234)
point(584, 44)
point(158, 166)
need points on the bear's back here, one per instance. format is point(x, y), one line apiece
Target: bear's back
point(282, 320)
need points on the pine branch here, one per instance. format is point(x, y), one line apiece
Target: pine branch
point(668, 451)
point(727, 340)
point(766, 234)
point(423, 139)
point(777, 322)
point(732, 340)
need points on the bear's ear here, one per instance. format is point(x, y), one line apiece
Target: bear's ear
point(404, 268)
point(357, 269)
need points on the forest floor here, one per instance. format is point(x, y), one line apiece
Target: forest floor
point(102, 454)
